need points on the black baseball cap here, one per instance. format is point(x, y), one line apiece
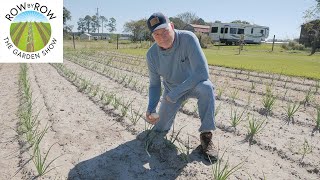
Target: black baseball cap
point(157, 21)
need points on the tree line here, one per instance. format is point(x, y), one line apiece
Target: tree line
point(94, 23)
point(139, 30)
point(89, 23)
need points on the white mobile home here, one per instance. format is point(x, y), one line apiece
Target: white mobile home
point(231, 33)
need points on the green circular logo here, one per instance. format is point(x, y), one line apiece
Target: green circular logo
point(30, 31)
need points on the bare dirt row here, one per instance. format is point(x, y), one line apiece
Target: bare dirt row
point(93, 140)
point(92, 77)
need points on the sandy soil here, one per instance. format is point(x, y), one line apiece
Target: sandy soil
point(9, 103)
point(93, 141)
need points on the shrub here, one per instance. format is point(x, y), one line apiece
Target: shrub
point(293, 45)
point(204, 39)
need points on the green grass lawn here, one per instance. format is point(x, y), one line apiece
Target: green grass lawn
point(294, 64)
point(253, 58)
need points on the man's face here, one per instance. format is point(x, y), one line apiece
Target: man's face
point(164, 37)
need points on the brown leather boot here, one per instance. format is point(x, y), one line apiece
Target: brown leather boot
point(208, 148)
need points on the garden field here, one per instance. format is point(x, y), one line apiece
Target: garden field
point(84, 119)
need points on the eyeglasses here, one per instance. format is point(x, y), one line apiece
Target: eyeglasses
point(160, 34)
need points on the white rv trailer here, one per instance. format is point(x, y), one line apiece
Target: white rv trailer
point(231, 33)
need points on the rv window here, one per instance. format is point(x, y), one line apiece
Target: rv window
point(240, 31)
point(233, 30)
point(214, 29)
point(251, 30)
point(225, 30)
point(262, 32)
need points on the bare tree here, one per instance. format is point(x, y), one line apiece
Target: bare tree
point(138, 29)
point(188, 17)
point(178, 23)
point(240, 22)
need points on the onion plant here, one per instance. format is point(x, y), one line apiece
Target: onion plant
point(306, 149)
point(236, 118)
point(125, 107)
point(268, 102)
point(109, 98)
point(317, 118)
point(253, 86)
point(184, 150)
point(96, 90)
point(254, 128)
point(291, 109)
point(234, 94)
point(41, 162)
point(222, 171)
point(249, 100)
point(116, 102)
point(217, 110)
point(308, 97)
point(84, 85)
point(102, 95)
point(123, 78)
point(127, 84)
point(220, 91)
point(135, 116)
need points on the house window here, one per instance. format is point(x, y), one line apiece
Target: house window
point(214, 29)
point(240, 31)
point(233, 30)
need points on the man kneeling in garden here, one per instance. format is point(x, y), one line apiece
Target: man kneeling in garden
point(178, 58)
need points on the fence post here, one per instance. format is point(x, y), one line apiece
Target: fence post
point(274, 37)
point(74, 45)
point(241, 40)
point(117, 41)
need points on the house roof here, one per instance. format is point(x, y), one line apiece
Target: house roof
point(200, 26)
point(87, 34)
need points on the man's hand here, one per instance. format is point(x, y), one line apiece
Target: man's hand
point(151, 119)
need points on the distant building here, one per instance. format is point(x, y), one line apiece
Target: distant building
point(124, 38)
point(85, 36)
point(94, 36)
point(100, 36)
point(197, 28)
point(308, 31)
